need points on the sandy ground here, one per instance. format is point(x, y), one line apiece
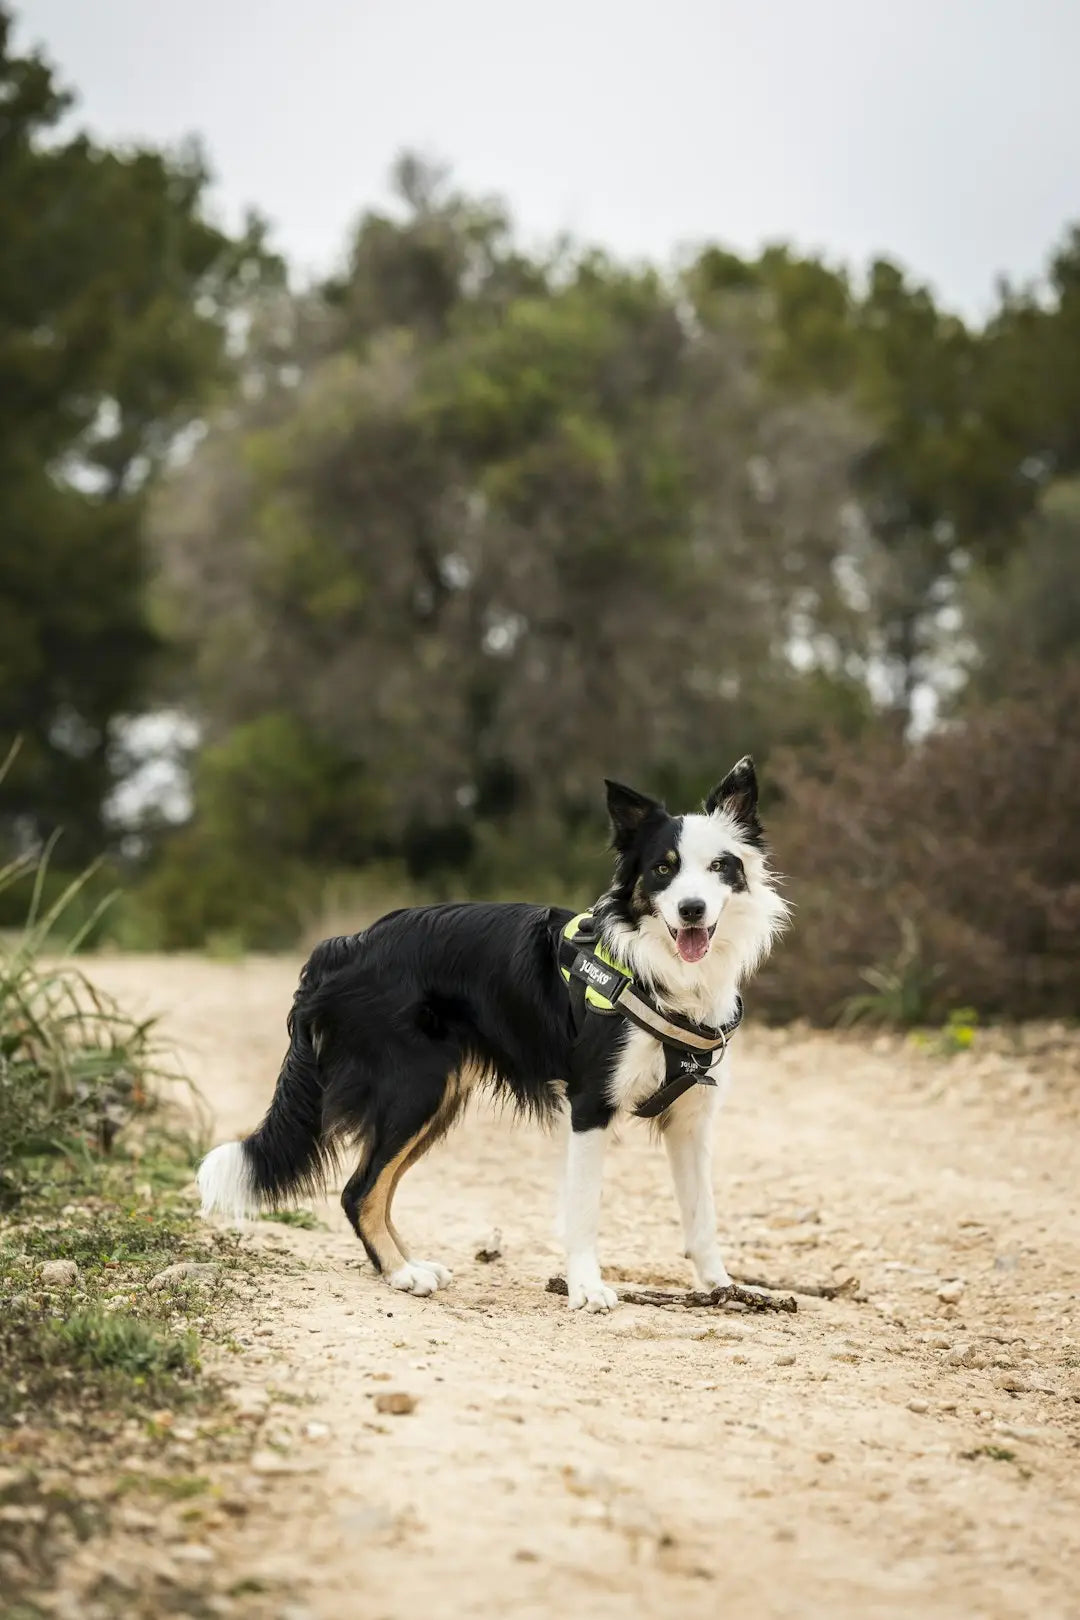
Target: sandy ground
point(865, 1457)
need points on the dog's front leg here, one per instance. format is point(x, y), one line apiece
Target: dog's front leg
point(581, 1220)
point(688, 1137)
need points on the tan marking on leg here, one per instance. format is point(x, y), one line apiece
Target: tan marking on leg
point(374, 1213)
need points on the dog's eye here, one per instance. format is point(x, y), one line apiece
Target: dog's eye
point(662, 869)
point(726, 865)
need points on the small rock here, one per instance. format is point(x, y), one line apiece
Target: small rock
point(395, 1402)
point(1012, 1383)
point(59, 1274)
point(588, 1482)
point(826, 1456)
point(1018, 1431)
point(951, 1293)
point(191, 1552)
point(249, 1401)
point(491, 1247)
point(964, 1355)
point(185, 1271)
point(785, 1361)
point(14, 1513)
point(798, 1217)
point(364, 1520)
point(918, 1407)
point(317, 1431)
point(271, 1462)
point(133, 1518)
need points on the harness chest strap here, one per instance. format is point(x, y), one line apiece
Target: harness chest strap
point(601, 985)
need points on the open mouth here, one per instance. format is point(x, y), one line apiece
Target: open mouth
point(692, 943)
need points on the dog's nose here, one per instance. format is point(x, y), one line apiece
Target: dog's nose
point(691, 911)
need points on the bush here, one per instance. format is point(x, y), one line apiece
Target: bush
point(72, 1065)
point(950, 868)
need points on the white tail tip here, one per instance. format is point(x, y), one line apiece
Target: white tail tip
point(227, 1184)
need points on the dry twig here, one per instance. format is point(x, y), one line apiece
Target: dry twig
point(733, 1298)
point(841, 1290)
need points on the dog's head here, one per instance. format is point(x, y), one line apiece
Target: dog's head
point(696, 887)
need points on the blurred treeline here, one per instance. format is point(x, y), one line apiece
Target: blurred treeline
point(426, 550)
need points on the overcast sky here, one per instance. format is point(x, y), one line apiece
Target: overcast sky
point(945, 132)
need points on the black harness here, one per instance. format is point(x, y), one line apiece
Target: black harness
point(689, 1049)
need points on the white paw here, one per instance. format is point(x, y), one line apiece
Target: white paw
point(441, 1274)
point(419, 1277)
point(592, 1296)
point(713, 1273)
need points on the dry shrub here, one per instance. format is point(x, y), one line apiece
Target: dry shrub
point(968, 843)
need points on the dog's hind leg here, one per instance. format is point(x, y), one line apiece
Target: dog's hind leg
point(367, 1199)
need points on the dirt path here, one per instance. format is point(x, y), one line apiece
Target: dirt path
point(859, 1458)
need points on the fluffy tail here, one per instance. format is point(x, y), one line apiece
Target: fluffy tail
point(287, 1154)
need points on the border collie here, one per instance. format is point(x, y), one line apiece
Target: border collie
point(392, 1029)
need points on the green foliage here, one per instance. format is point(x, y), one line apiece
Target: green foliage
point(108, 1341)
point(115, 298)
point(471, 527)
point(73, 1066)
point(101, 1342)
point(1026, 614)
point(959, 1030)
point(302, 1218)
point(900, 989)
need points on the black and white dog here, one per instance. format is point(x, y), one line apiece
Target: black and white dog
point(391, 1030)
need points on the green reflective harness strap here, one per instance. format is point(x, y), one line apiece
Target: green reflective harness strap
point(582, 957)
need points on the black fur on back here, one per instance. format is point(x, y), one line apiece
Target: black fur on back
point(438, 989)
point(382, 1018)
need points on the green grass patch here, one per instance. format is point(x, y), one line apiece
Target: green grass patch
point(170, 1487)
point(95, 1362)
point(105, 1342)
point(75, 1069)
point(303, 1218)
point(100, 1341)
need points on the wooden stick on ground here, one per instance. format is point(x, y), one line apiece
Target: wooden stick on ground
point(841, 1290)
point(733, 1298)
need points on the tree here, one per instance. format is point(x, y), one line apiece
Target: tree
point(494, 538)
point(116, 296)
point(1024, 617)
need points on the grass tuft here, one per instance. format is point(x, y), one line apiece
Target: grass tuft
point(74, 1067)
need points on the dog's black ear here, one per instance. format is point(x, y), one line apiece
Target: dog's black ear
point(628, 811)
point(738, 795)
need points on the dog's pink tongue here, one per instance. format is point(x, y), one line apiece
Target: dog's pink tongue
point(692, 943)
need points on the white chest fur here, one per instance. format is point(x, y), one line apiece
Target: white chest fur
point(642, 1068)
